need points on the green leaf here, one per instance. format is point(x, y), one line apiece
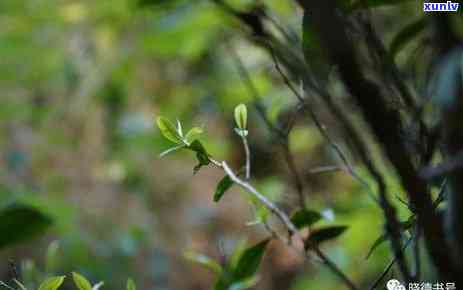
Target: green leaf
point(168, 130)
point(131, 285)
point(249, 261)
point(381, 239)
point(81, 282)
point(204, 260)
point(406, 35)
point(328, 233)
point(241, 116)
point(21, 222)
point(224, 184)
point(193, 134)
point(201, 154)
point(305, 218)
point(52, 283)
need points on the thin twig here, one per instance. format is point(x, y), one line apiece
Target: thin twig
point(266, 202)
point(321, 128)
point(248, 156)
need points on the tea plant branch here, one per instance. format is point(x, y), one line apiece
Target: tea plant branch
point(266, 202)
point(392, 223)
point(288, 224)
point(385, 124)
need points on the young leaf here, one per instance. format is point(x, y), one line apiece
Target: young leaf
point(52, 283)
point(328, 233)
point(131, 285)
point(241, 116)
point(193, 134)
point(381, 239)
point(168, 130)
point(224, 184)
point(305, 218)
point(205, 261)
point(81, 282)
point(21, 222)
point(249, 261)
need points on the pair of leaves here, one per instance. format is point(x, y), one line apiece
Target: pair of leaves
point(175, 134)
point(21, 222)
point(241, 274)
point(305, 218)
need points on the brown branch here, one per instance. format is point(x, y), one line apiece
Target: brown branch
point(384, 122)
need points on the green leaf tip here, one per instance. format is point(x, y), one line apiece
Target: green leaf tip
point(204, 260)
point(81, 282)
point(52, 283)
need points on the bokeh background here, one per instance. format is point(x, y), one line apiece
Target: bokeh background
point(81, 85)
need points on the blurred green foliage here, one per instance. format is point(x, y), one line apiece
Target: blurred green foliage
point(82, 83)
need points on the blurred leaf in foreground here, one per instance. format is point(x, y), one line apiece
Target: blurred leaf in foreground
point(19, 223)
